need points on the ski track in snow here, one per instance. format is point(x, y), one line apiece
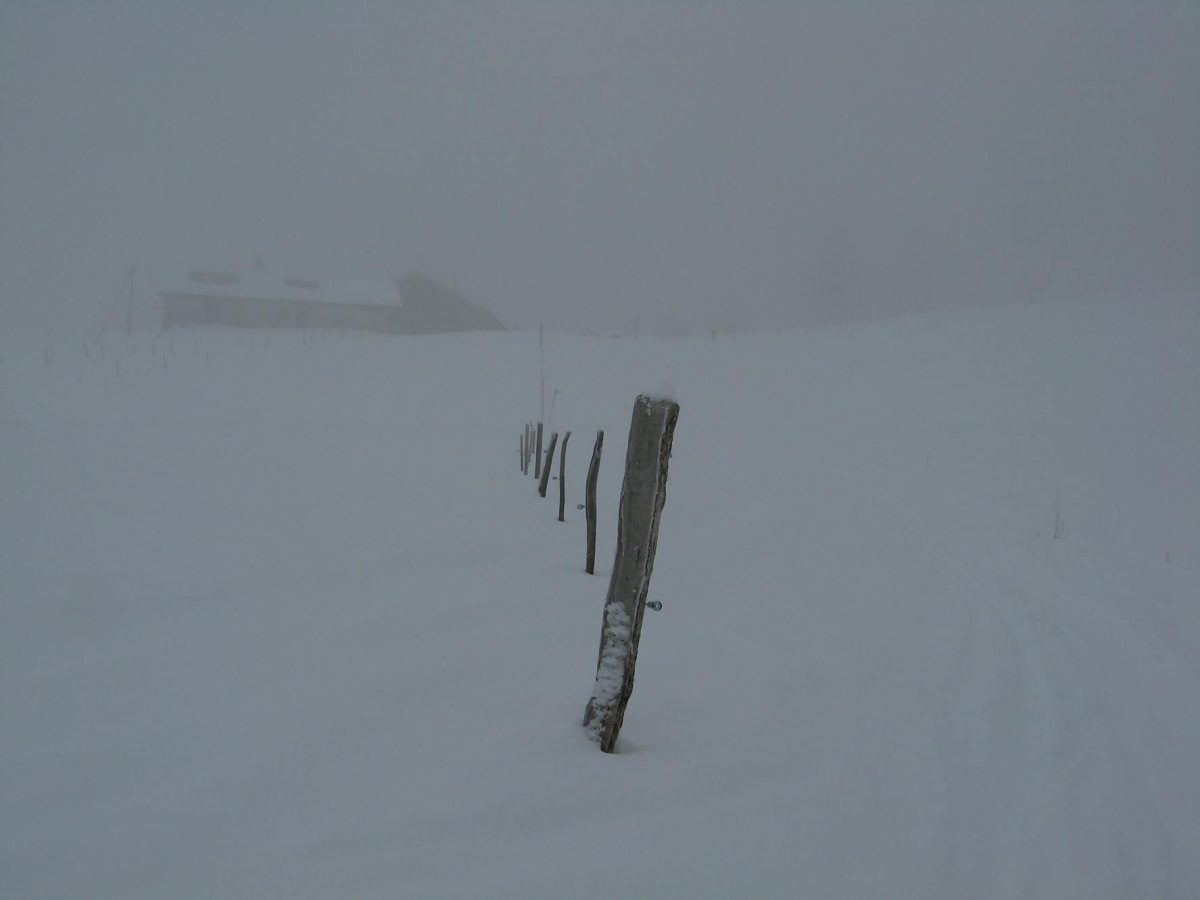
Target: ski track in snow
point(1037, 733)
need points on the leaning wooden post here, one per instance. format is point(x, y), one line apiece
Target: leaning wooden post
point(537, 457)
point(562, 479)
point(545, 482)
point(525, 452)
point(589, 500)
point(643, 493)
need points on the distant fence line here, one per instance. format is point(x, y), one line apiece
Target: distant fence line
point(643, 494)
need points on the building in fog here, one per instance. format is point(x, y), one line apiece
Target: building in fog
point(256, 299)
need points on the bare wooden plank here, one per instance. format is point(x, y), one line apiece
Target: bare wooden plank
point(589, 500)
point(643, 494)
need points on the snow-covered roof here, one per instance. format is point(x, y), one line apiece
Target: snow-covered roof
point(258, 285)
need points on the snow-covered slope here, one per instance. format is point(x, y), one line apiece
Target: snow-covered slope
point(280, 618)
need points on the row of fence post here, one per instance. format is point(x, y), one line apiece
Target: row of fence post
point(643, 493)
point(530, 451)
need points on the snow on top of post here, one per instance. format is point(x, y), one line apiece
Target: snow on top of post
point(666, 393)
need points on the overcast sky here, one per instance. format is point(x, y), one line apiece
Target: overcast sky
point(716, 164)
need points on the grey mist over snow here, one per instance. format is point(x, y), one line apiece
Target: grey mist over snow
point(685, 166)
point(281, 616)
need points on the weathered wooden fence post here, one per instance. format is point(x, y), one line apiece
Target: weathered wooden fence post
point(589, 500)
point(545, 482)
point(643, 493)
point(537, 459)
point(525, 452)
point(562, 479)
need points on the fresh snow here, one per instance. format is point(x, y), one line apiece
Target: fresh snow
point(282, 619)
point(610, 668)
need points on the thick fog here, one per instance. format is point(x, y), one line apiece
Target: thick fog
point(690, 166)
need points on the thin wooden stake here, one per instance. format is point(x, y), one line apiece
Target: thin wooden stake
point(545, 481)
point(529, 449)
point(562, 479)
point(643, 493)
point(537, 456)
point(589, 499)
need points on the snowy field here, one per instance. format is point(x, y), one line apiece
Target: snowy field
point(280, 618)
